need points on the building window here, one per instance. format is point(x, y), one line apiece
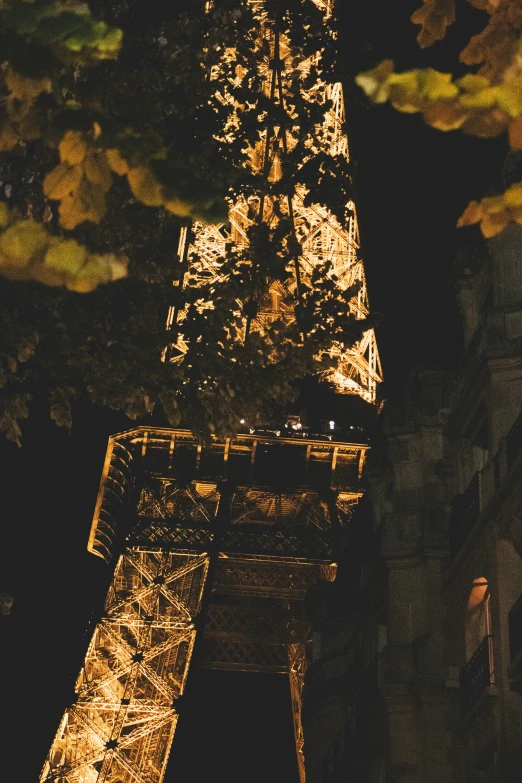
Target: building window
point(478, 615)
point(477, 674)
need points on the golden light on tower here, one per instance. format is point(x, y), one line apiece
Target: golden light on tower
point(234, 532)
point(322, 241)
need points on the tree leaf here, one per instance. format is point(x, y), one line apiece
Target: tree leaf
point(510, 96)
point(436, 85)
point(21, 242)
point(97, 270)
point(434, 16)
point(25, 88)
point(145, 186)
point(486, 124)
point(480, 99)
point(60, 407)
point(5, 215)
point(472, 214)
point(445, 116)
point(8, 137)
point(103, 42)
point(73, 147)
point(66, 257)
point(473, 83)
point(87, 202)
point(513, 195)
point(516, 214)
point(62, 181)
point(375, 82)
point(493, 204)
point(116, 162)
point(493, 223)
point(97, 170)
point(178, 207)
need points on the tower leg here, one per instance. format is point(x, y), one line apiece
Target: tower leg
point(121, 725)
point(297, 669)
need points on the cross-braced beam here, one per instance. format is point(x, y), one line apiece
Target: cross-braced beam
point(121, 725)
point(297, 670)
point(323, 241)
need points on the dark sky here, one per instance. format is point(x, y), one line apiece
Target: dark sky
point(412, 184)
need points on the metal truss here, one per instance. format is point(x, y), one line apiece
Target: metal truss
point(324, 242)
point(263, 519)
point(269, 577)
point(194, 504)
point(261, 506)
point(253, 620)
point(282, 543)
point(121, 725)
point(178, 506)
point(244, 656)
point(297, 663)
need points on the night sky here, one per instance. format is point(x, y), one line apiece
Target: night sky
point(412, 183)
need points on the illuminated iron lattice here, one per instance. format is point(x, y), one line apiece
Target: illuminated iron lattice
point(251, 505)
point(321, 237)
point(297, 668)
point(226, 537)
point(121, 725)
point(248, 511)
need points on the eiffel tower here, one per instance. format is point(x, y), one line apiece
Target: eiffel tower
point(219, 543)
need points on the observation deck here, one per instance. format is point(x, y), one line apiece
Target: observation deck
point(266, 508)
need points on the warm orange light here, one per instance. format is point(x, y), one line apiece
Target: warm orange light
point(322, 239)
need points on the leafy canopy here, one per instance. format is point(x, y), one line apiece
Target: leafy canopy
point(113, 134)
point(484, 104)
point(44, 43)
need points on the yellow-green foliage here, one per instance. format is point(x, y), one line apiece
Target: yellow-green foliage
point(89, 157)
point(483, 104)
point(28, 251)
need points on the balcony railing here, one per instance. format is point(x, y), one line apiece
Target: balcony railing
point(466, 511)
point(476, 676)
point(514, 441)
point(515, 629)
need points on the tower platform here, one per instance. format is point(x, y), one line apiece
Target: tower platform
point(213, 546)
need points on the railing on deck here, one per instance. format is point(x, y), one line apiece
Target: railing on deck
point(515, 629)
point(477, 675)
point(466, 511)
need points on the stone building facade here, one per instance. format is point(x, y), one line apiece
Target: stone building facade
point(417, 671)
